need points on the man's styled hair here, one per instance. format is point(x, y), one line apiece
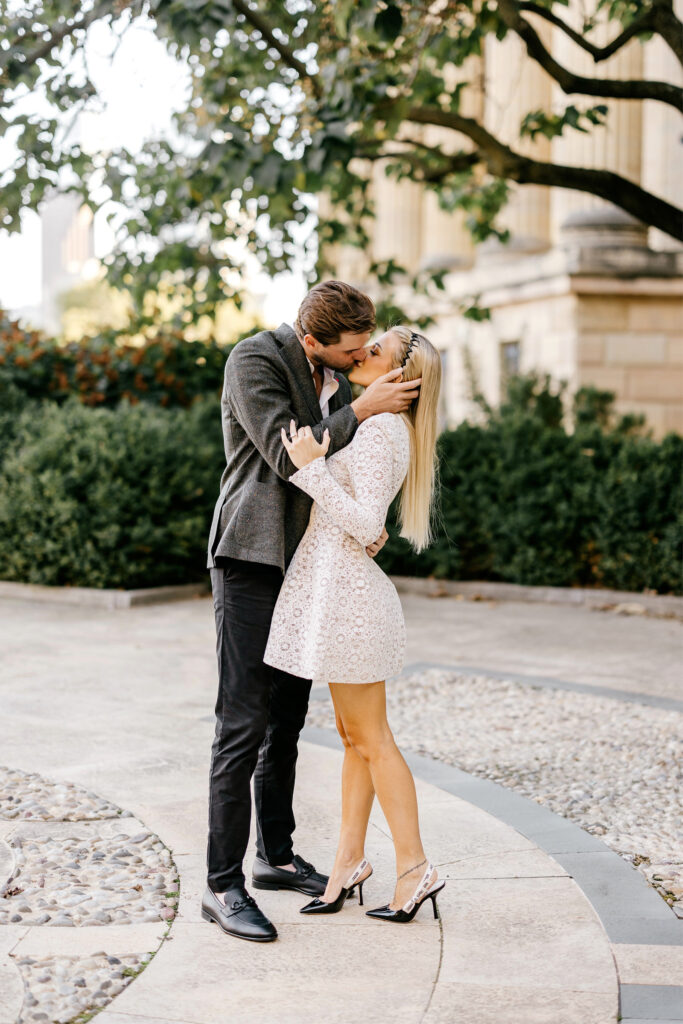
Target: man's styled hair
point(333, 308)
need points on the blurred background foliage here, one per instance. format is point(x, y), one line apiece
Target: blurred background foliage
point(293, 99)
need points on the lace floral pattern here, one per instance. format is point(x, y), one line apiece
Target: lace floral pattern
point(338, 617)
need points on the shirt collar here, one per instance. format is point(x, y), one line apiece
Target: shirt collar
point(330, 382)
point(327, 371)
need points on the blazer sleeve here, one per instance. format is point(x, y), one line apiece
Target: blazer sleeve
point(363, 516)
point(259, 398)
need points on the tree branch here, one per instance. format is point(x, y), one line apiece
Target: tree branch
point(645, 23)
point(504, 162)
point(665, 92)
point(288, 56)
point(669, 27)
point(643, 205)
point(452, 163)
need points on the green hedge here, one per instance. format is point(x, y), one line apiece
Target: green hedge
point(109, 497)
point(525, 502)
point(123, 497)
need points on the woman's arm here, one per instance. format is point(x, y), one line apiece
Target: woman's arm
point(371, 468)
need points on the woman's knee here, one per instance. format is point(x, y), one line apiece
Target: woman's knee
point(370, 743)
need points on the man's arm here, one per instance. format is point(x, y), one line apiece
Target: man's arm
point(259, 397)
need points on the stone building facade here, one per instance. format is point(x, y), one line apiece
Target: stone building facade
point(582, 291)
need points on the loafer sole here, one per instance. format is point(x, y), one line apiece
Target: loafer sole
point(207, 916)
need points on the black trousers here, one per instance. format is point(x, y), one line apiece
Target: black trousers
point(260, 712)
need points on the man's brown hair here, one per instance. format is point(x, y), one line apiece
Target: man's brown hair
point(333, 308)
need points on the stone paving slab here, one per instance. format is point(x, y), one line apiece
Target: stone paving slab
point(649, 965)
point(114, 1017)
point(567, 643)
point(114, 939)
point(306, 976)
point(483, 1004)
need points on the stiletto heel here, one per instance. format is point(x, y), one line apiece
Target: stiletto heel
point(318, 906)
point(408, 911)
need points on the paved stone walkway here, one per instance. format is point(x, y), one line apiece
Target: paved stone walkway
point(121, 704)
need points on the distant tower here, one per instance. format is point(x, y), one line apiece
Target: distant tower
point(68, 252)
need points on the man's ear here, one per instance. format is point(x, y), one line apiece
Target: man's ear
point(310, 341)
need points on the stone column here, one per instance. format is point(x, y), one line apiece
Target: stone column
point(398, 218)
point(661, 150)
point(349, 263)
point(516, 86)
point(446, 242)
point(617, 145)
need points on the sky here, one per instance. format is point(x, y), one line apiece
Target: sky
point(141, 85)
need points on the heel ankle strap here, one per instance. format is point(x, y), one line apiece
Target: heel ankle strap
point(421, 890)
point(358, 871)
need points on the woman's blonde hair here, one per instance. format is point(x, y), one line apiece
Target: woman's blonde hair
point(419, 358)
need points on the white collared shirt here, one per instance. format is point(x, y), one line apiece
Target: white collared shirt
point(330, 387)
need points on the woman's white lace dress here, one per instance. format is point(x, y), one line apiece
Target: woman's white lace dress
point(338, 618)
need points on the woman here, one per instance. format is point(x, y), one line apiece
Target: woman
point(338, 618)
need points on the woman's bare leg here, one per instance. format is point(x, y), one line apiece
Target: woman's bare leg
point(361, 711)
point(357, 798)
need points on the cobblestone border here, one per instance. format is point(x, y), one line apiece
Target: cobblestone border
point(92, 597)
point(665, 606)
point(631, 911)
point(624, 602)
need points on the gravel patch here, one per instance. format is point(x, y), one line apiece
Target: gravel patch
point(120, 879)
point(103, 869)
point(615, 768)
point(26, 795)
point(60, 988)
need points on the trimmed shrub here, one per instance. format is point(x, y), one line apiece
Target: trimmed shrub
point(109, 498)
point(525, 502)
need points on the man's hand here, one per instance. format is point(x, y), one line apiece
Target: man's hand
point(303, 447)
point(373, 549)
point(386, 394)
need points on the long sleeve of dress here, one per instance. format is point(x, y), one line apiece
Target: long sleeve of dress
point(371, 467)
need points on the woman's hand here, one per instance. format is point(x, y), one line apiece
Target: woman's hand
point(303, 447)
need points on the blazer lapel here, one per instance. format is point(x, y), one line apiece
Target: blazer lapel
point(296, 357)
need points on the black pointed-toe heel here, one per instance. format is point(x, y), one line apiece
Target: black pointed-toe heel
point(318, 906)
point(408, 911)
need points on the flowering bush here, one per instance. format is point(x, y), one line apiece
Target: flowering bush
point(166, 369)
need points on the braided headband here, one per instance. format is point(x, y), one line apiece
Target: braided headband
point(414, 338)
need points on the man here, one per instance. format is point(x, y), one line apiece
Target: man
point(271, 379)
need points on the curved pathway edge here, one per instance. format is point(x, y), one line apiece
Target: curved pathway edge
point(631, 912)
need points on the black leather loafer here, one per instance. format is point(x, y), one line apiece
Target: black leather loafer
point(305, 879)
point(239, 916)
